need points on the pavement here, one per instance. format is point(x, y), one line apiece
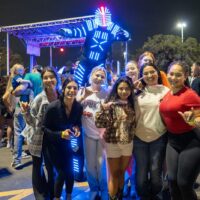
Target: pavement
point(16, 184)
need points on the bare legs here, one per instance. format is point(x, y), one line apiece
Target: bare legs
point(117, 168)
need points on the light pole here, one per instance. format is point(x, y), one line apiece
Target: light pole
point(181, 25)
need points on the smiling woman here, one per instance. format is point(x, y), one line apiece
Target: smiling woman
point(62, 121)
point(33, 115)
point(183, 149)
point(150, 137)
point(95, 162)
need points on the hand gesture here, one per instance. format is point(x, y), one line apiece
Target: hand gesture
point(85, 92)
point(138, 84)
point(188, 116)
point(76, 130)
point(24, 106)
point(106, 106)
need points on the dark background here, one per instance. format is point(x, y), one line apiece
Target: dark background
point(142, 18)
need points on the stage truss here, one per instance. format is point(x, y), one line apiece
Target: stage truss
point(43, 34)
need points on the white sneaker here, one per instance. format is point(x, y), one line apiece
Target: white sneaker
point(16, 164)
point(25, 155)
point(8, 145)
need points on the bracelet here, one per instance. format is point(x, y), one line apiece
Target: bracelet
point(63, 134)
point(191, 122)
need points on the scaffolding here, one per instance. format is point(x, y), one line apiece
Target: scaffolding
point(44, 34)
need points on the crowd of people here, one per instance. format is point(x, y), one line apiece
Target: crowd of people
point(147, 123)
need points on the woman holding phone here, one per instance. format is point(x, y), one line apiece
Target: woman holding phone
point(62, 121)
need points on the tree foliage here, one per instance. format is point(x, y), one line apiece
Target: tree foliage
point(14, 58)
point(168, 48)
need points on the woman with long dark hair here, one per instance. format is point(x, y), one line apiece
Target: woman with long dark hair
point(118, 117)
point(43, 188)
point(62, 121)
point(183, 148)
point(150, 138)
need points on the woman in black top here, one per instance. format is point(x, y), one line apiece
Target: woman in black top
point(62, 121)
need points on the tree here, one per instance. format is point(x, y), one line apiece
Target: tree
point(14, 58)
point(168, 48)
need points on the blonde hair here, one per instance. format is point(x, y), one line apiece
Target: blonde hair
point(12, 74)
point(132, 62)
point(10, 99)
point(97, 68)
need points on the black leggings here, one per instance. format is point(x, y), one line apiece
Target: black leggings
point(183, 165)
point(64, 176)
point(43, 187)
point(62, 159)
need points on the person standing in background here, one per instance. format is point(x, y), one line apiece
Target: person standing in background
point(148, 58)
point(195, 77)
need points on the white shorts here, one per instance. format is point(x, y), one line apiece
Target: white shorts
point(118, 150)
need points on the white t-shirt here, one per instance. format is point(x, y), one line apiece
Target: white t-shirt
point(149, 125)
point(91, 104)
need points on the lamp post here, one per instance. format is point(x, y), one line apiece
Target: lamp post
point(181, 25)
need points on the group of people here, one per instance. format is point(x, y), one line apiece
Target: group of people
point(146, 117)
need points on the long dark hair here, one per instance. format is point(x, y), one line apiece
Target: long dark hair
point(157, 70)
point(53, 71)
point(113, 96)
point(184, 67)
point(68, 80)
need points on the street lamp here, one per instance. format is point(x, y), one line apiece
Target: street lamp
point(181, 25)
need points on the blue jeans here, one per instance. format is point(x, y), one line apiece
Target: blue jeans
point(149, 157)
point(95, 166)
point(19, 125)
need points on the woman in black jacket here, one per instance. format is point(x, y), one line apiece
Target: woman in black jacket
point(62, 121)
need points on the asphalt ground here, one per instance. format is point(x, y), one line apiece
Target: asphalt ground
point(16, 184)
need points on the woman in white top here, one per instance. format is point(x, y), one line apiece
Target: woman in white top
point(90, 98)
point(150, 139)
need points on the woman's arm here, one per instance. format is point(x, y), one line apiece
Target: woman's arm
point(6, 101)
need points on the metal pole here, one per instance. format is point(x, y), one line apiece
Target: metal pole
point(182, 33)
point(31, 62)
point(50, 54)
point(126, 50)
point(8, 53)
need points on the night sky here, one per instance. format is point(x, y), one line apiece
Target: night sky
point(142, 18)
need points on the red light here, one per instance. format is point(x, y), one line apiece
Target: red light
point(102, 9)
point(62, 50)
point(103, 15)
